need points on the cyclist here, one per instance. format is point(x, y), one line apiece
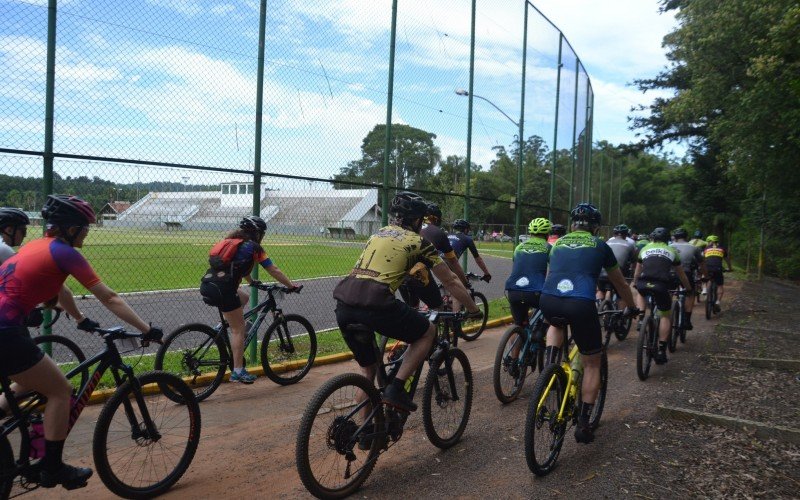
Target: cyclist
point(461, 241)
point(556, 232)
point(524, 285)
point(568, 292)
point(366, 296)
point(692, 261)
point(652, 276)
point(698, 241)
point(624, 252)
point(714, 255)
point(35, 275)
point(220, 285)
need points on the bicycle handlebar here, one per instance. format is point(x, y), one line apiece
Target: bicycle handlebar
point(119, 333)
point(274, 287)
point(474, 277)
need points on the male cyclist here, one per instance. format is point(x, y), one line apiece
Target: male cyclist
point(524, 285)
point(366, 296)
point(461, 241)
point(624, 252)
point(556, 232)
point(653, 277)
point(568, 292)
point(697, 240)
point(714, 255)
point(692, 261)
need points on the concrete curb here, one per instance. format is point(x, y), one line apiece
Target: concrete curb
point(102, 395)
point(771, 364)
point(762, 430)
point(754, 329)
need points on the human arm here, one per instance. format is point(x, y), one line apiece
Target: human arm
point(617, 279)
point(118, 306)
point(638, 271)
point(487, 276)
point(453, 285)
point(276, 273)
point(453, 264)
point(67, 302)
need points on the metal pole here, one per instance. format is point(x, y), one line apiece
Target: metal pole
point(555, 129)
point(464, 258)
point(262, 22)
point(619, 193)
point(611, 188)
point(574, 131)
point(600, 184)
point(49, 105)
point(389, 99)
point(587, 146)
point(518, 200)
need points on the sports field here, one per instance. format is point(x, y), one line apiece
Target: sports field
point(132, 260)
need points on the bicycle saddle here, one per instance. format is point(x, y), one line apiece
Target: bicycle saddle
point(558, 321)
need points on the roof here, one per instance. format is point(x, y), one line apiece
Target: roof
point(117, 206)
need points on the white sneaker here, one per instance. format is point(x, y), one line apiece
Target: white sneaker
point(703, 292)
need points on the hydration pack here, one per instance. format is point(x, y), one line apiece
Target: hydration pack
point(222, 254)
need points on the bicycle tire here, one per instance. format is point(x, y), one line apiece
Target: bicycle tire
point(506, 386)
point(326, 433)
point(196, 343)
point(438, 395)
point(600, 402)
point(68, 357)
point(483, 305)
point(672, 340)
point(295, 365)
point(643, 354)
point(185, 433)
point(537, 418)
point(710, 301)
point(7, 465)
point(625, 329)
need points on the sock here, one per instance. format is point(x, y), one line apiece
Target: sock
point(53, 451)
point(551, 354)
point(586, 409)
point(399, 383)
point(662, 346)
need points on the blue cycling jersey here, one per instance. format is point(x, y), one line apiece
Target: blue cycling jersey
point(530, 266)
point(461, 242)
point(575, 263)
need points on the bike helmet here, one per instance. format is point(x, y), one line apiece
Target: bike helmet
point(586, 214)
point(460, 225)
point(539, 226)
point(13, 217)
point(253, 223)
point(712, 238)
point(434, 211)
point(698, 234)
point(64, 210)
point(660, 234)
point(622, 229)
point(558, 230)
point(408, 206)
point(680, 234)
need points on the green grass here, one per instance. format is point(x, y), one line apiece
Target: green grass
point(496, 248)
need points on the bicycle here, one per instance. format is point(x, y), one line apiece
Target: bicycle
point(711, 299)
point(678, 316)
point(201, 353)
point(555, 404)
point(63, 351)
point(346, 426)
point(520, 347)
point(478, 325)
point(125, 442)
point(647, 346)
point(620, 328)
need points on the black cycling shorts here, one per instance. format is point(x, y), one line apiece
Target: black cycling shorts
point(222, 294)
point(605, 285)
point(717, 276)
point(582, 317)
point(521, 303)
point(660, 292)
point(398, 321)
point(17, 351)
point(412, 291)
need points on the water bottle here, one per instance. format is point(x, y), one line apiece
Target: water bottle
point(577, 367)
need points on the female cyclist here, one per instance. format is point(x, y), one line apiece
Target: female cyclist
point(33, 276)
point(220, 285)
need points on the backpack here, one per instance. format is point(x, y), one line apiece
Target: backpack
point(221, 255)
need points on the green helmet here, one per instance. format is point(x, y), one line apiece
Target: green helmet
point(712, 238)
point(539, 226)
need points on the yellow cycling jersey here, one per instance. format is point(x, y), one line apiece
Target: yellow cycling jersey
point(383, 265)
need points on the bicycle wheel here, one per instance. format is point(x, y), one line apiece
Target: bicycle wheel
point(674, 331)
point(644, 356)
point(198, 354)
point(327, 455)
point(544, 435)
point(510, 371)
point(67, 356)
point(600, 402)
point(710, 299)
point(447, 398)
point(7, 467)
point(478, 324)
point(288, 349)
point(133, 463)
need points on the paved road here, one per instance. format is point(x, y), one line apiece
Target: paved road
point(172, 309)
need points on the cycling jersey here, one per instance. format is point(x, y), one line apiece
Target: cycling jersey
point(641, 244)
point(552, 238)
point(5, 251)
point(36, 274)
point(530, 265)
point(714, 256)
point(624, 253)
point(699, 243)
point(575, 263)
point(439, 239)
point(657, 261)
point(690, 255)
point(382, 266)
point(461, 242)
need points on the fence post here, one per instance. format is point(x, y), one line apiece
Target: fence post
point(518, 200)
point(555, 127)
point(464, 258)
point(389, 99)
point(574, 131)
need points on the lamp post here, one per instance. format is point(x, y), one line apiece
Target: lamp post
point(464, 93)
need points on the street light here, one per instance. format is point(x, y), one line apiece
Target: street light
point(463, 92)
point(548, 172)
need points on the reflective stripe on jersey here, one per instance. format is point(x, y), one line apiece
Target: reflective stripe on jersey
point(575, 263)
point(714, 256)
point(530, 265)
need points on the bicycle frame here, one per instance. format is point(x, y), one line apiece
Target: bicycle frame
point(260, 311)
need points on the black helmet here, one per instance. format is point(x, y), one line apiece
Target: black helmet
point(660, 234)
point(253, 223)
point(460, 225)
point(558, 230)
point(13, 217)
point(408, 206)
point(698, 234)
point(586, 214)
point(622, 229)
point(680, 234)
point(434, 210)
point(63, 210)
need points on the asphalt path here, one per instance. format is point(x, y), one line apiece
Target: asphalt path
point(171, 309)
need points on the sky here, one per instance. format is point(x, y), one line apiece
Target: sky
point(175, 80)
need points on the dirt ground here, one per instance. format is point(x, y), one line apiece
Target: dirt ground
point(248, 432)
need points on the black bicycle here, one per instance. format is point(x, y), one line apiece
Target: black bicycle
point(678, 319)
point(200, 354)
point(66, 353)
point(620, 326)
point(647, 347)
point(520, 348)
point(711, 297)
point(142, 444)
point(346, 426)
point(470, 329)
